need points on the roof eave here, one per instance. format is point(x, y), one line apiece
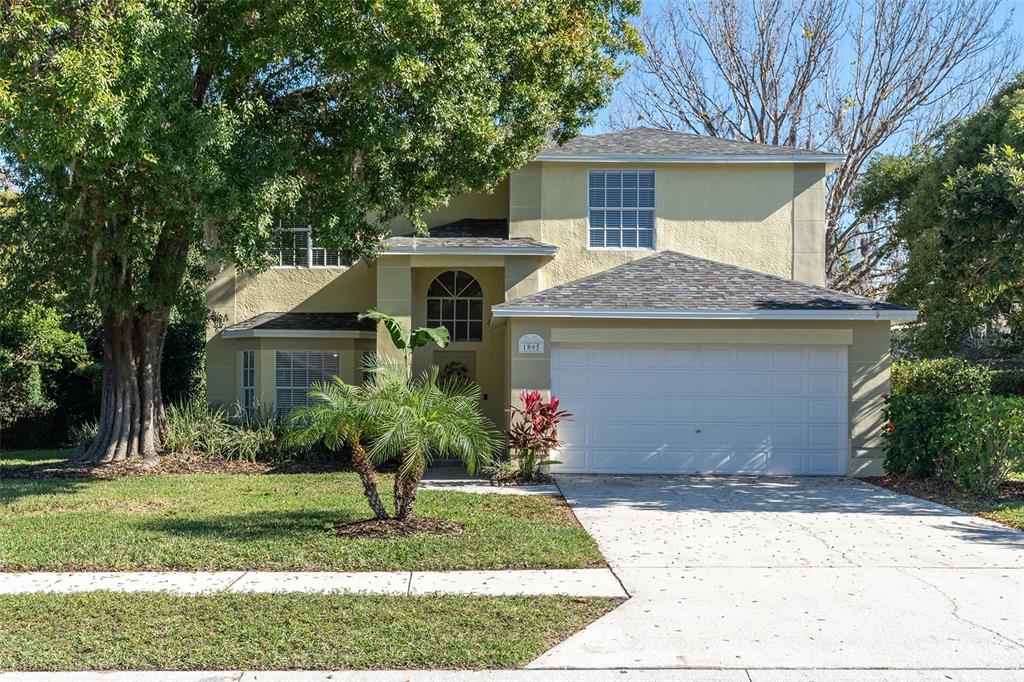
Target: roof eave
point(469, 251)
point(830, 160)
point(298, 333)
point(663, 314)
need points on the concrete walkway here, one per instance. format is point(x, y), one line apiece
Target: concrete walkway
point(806, 573)
point(590, 582)
point(603, 675)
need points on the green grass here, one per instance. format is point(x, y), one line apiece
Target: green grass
point(269, 522)
point(139, 631)
point(20, 457)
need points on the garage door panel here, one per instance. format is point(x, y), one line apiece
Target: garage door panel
point(714, 383)
point(569, 357)
point(752, 358)
point(791, 385)
point(711, 358)
point(759, 409)
point(831, 384)
point(830, 359)
point(780, 462)
point(607, 358)
point(788, 359)
point(825, 410)
point(825, 463)
point(716, 408)
point(641, 383)
point(676, 409)
point(708, 409)
point(681, 358)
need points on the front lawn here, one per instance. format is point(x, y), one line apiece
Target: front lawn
point(268, 522)
point(146, 631)
point(1007, 507)
point(32, 457)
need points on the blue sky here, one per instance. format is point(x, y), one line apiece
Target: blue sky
point(1012, 9)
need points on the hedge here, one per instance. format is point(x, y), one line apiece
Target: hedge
point(1008, 382)
point(945, 377)
point(969, 441)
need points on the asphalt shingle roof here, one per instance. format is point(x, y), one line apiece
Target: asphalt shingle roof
point(305, 322)
point(494, 228)
point(672, 281)
point(653, 142)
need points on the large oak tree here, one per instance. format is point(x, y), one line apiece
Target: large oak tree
point(148, 137)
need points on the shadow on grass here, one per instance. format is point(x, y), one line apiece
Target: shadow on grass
point(270, 525)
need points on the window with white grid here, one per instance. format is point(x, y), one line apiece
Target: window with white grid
point(456, 301)
point(295, 371)
point(295, 247)
point(620, 206)
point(248, 380)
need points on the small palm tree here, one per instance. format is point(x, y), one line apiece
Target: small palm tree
point(417, 419)
point(338, 418)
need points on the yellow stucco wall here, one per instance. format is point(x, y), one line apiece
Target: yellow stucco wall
point(867, 357)
point(488, 355)
point(768, 218)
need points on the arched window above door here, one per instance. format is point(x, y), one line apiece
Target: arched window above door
point(455, 300)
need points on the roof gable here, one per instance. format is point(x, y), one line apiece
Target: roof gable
point(650, 144)
point(671, 284)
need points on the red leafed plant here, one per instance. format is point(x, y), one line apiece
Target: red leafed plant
point(534, 431)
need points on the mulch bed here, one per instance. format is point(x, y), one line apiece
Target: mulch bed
point(938, 491)
point(168, 465)
point(394, 528)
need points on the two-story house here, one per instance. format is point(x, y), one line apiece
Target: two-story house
point(667, 287)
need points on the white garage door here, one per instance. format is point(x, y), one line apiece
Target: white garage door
point(702, 409)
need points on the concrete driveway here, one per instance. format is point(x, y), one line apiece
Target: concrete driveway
point(805, 573)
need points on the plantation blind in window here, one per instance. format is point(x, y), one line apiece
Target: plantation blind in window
point(295, 371)
point(621, 209)
point(248, 380)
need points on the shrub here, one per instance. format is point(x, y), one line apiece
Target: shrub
point(1008, 382)
point(969, 441)
point(535, 434)
point(196, 429)
point(982, 443)
point(913, 434)
point(945, 377)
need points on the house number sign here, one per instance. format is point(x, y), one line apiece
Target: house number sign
point(531, 343)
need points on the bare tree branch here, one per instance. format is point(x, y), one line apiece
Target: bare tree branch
point(857, 78)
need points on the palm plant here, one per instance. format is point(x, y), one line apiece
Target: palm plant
point(417, 419)
point(337, 417)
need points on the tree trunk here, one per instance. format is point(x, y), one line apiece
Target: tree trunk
point(405, 495)
point(132, 420)
point(361, 463)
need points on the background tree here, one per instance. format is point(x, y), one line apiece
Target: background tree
point(148, 137)
point(850, 77)
point(955, 208)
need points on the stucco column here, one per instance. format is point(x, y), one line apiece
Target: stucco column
point(394, 297)
point(809, 224)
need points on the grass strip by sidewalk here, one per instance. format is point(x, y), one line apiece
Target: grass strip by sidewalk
point(156, 631)
point(270, 522)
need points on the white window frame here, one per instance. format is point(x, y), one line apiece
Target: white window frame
point(283, 227)
point(652, 210)
point(247, 392)
point(292, 386)
point(456, 299)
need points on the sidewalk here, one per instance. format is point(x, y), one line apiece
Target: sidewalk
point(606, 675)
point(589, 582)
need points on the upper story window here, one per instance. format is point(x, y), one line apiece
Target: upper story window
point(295, 247)
point(456, 301)
point(621, 209)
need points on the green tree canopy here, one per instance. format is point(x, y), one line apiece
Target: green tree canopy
point(149, 136)
point(956, 209)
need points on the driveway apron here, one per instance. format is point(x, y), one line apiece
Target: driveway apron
point(743, 572)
